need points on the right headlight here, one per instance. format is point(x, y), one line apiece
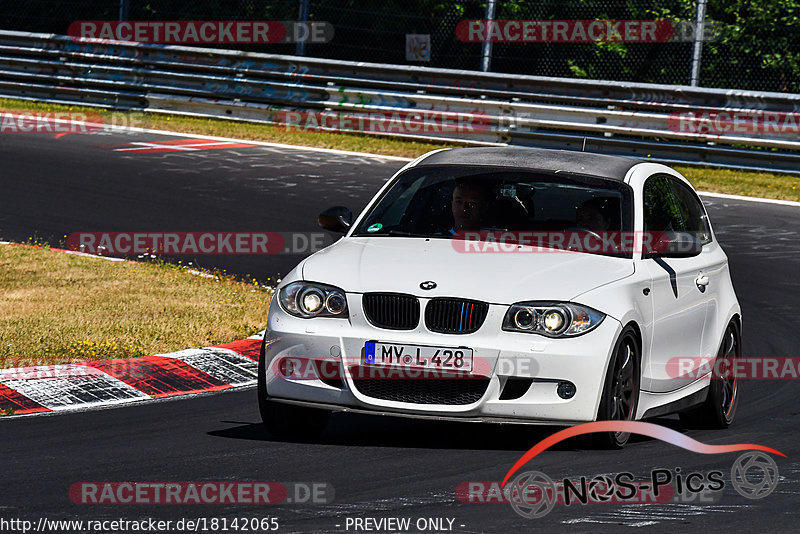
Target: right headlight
point(551, 319)
point(309, 299)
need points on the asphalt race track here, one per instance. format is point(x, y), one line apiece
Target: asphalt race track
point(378, 467)
point(86, 184)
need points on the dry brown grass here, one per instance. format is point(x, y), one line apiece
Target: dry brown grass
point(751, 184)
point(57, 308)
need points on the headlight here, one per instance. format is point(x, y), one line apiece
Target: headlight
point(551, 319)
point(307, 299)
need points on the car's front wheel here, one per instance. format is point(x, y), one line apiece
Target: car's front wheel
point(287, 420)
point(720, 406)
point(621, 388)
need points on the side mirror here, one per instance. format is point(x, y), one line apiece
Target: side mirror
point(336, 219)
point(674, 245)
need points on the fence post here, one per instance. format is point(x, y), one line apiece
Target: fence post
point(697, 49)
point(302, 18)
point(123, 10)
point(486, 49)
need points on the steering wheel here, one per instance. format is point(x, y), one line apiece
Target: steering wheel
point(585, 230)
point(592, 233)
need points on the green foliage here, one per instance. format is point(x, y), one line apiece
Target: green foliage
point(758, 40)
point(756, 45)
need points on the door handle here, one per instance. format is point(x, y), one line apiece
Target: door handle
point(702, 282)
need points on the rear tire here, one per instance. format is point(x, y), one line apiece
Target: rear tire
point(287, 420)
point(621, 389)
point(719, 408)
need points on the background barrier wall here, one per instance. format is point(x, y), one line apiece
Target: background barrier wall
point(746, 129)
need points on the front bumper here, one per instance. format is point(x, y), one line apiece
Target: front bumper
point(499, 356)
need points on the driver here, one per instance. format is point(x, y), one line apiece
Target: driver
point(470, 203)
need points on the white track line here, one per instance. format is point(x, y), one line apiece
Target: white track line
point(397, 158)
point(751, 199)
point(189, 147)
point(369, 155)
point(118, 128)
point(259, 143)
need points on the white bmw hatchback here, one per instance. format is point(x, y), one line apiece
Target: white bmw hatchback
point(508, 285)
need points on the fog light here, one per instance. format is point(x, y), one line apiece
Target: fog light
point(566, 390)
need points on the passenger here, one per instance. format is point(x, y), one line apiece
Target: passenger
point(593, 215)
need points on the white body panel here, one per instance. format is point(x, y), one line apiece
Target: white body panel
point(691, 324)
point(362, 264)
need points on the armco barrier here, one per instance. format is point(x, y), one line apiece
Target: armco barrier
point(601, 116)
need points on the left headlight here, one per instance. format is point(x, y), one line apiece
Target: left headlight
point(551, 319)
point(308, 299)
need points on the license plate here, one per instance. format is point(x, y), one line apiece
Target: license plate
point(418, 356)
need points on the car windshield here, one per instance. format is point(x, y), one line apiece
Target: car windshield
point(449, 201)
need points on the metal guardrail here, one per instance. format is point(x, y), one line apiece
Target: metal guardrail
point(608, 117)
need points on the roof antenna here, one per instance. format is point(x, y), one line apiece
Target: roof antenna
point(583, 148)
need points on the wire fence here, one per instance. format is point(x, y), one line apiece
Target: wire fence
point(747, 45)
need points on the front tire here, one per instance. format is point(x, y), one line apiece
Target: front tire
point(621, 389)
point(287, 420)
point(718, 411)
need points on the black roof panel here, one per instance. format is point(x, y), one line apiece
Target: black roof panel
point(602, 166)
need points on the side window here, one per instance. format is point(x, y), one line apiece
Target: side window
point(661, 213)
point(695, 220)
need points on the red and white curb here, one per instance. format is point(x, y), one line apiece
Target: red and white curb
point(77, 386)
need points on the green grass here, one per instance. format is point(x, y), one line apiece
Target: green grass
point(58, 308)
point(748, 183)
point(751, 184)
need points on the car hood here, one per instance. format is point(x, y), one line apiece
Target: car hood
point(400, 264)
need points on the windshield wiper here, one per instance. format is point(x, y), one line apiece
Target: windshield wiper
point(399, 233)
point(405, 234)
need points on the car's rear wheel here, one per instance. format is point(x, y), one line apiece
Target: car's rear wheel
point(621, 389)
point(287, 420)
point(719, 408)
